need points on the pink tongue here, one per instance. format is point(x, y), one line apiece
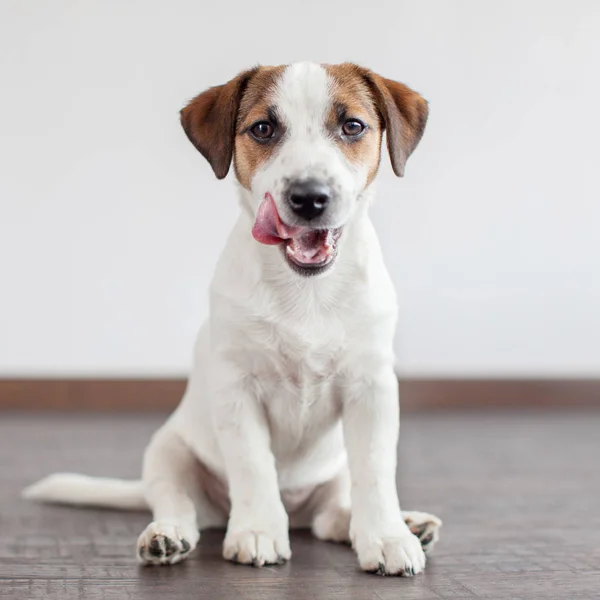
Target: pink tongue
point(268, 228)
point(306, 246)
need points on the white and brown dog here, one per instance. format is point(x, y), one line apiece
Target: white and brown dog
point(291, 413)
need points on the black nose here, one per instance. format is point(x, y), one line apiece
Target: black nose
point(308, 198)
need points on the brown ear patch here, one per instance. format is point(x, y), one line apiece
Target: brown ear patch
point(403, 111)
point(209, 121)
point(405, 114)
point(216, 121)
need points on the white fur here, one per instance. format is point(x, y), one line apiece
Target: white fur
point(292, 399)
point(73, 488)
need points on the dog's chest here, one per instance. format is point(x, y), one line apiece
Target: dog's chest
point(302, 409)
point(299, 380)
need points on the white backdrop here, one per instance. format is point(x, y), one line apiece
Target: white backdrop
point(110, 222)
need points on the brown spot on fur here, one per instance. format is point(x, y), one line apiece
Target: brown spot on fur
point(217, 120)
point(258, 98)
point(403, 112)
point(214, 119)
point(352, 97)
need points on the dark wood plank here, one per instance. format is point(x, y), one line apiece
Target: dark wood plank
point(518, 493)
point(415, 394)
point(91, 394)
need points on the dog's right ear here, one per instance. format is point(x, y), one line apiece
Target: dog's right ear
point(209, 121)
point(404, 113)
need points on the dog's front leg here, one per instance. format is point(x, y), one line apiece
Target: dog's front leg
point(257, 532)
point(381, 538)
point(172, 494)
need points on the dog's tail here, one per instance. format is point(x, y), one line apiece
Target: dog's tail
point(81, 490)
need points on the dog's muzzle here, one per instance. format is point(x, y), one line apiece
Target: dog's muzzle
point(308, 250)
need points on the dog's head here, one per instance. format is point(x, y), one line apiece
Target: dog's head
point(305, 140)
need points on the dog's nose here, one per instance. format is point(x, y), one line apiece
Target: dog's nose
point(309, 198)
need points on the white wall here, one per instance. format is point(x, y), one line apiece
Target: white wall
point(111, 223)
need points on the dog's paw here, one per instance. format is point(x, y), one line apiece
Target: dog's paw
point(333, 525)
point(256, 548)
point(165, 543)
point(424, 526)
point(398, 554)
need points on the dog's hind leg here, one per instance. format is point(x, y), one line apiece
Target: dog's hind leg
point(332, 511)
point(425, 526)
point(173, 490)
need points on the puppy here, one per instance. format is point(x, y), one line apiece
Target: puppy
point(291, 416)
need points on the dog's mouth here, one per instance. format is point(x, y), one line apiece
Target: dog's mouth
point(308, 251)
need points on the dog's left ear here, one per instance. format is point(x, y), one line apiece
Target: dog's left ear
point(404, 114)
point(209, 121)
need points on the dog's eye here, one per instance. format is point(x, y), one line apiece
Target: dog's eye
point(262, 130)
point(352, 127)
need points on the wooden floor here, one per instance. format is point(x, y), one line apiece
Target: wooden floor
point(519, 494)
